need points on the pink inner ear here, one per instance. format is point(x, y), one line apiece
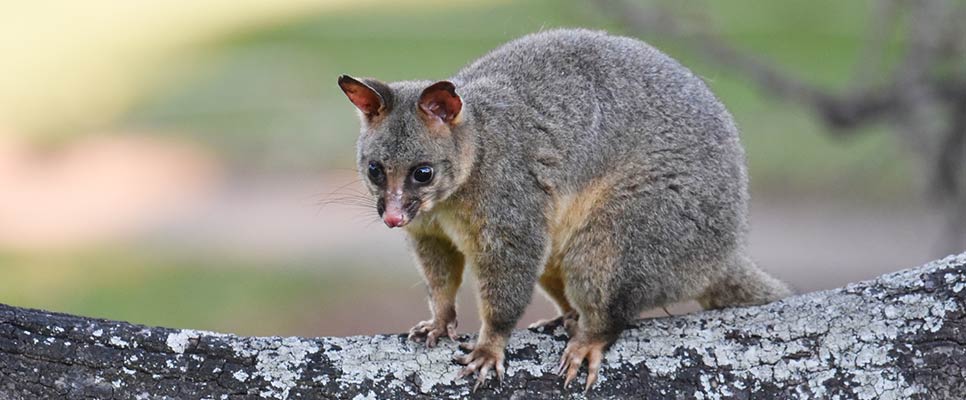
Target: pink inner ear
point(441, 101)
point(364, 98)
point(364, 101)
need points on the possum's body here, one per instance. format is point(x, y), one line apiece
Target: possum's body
point(592, 164)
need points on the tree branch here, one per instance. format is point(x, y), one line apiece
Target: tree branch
point(851, 108)
point(658, 20)
point(899, 336)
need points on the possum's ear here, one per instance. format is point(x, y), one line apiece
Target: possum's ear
point(440, 103)
point(365, 96)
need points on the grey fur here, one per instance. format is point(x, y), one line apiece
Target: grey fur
point(544, 118)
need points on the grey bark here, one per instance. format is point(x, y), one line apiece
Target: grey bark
point(899, 336)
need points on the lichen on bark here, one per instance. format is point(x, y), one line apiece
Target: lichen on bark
point(899, 336)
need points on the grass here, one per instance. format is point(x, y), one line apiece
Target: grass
point(221, 295)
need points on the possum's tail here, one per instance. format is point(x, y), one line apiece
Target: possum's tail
point(743, 284)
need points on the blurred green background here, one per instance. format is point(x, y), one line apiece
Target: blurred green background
point(234, 112)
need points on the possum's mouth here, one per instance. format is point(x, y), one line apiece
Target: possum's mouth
point(397, 215)
point(413, 209)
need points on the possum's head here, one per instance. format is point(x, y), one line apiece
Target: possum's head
point(414, 149)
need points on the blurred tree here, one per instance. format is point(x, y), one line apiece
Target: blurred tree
point(922, 95)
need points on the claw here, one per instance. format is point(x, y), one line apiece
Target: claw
point(572, 369)
point(430, 331)
point(566, 320)
point(593, 368)
point(482, 376)
point(573, 357)
point(451, 331)
point(461, 360)
point(481, 361)
point(549, 324)
point(469, 368)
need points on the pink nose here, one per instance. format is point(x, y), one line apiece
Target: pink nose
point(394, 220)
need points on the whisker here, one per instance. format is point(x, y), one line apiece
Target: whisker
point(337, 189)
point(347, 185)
point(347, 201)
point(347, 196)
point(369, 217)
point(357, 206)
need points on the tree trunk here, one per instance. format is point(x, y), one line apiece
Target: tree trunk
point(899, 336)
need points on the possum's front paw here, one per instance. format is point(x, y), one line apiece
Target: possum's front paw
point(481, 359)
point(430, 331)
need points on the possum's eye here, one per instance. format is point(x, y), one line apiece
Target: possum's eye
point(376, 174)
point(423, 174)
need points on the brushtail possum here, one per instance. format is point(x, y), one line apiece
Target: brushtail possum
point(591, 165)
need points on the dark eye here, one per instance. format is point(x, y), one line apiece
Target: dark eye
point(375, 172)
point(423, 174)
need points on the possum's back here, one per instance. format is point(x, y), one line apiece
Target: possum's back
point(594, 82)
point(609, 96)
